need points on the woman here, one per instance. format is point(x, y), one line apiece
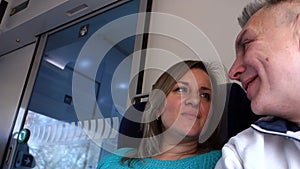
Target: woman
point(176, 112)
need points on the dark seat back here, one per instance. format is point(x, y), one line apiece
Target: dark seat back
point(130, 126)
point(239, 113)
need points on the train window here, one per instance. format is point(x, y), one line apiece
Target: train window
point(81, 89)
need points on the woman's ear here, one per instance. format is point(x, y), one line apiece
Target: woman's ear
point(157, 115)
point(297, 27)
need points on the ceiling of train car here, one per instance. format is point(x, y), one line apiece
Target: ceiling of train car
point(15, 33)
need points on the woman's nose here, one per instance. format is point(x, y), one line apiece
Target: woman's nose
point(193, 99)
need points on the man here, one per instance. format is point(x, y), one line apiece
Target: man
point(268, 67)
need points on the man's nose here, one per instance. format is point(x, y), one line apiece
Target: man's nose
point(237, 69)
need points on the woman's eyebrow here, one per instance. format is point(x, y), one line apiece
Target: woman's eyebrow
point(205, 88)
point(182, 82)
point(201, 88)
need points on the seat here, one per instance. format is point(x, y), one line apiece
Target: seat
point(130, 126)
point(237, 116)
point(239, 113)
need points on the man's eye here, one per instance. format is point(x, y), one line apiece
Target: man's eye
point(246, 44)
point(205, 96)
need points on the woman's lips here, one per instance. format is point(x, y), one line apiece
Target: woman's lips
point(191, 116)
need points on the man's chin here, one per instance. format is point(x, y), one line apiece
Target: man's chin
point(257, 108)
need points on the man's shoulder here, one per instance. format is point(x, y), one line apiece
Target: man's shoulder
point(246, 136)
point(267, 130)
point(258, 146)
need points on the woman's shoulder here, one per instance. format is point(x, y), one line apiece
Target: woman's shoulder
point(213, 155)
point(202, 161)
point(207, 160)
point(113, 160)
point(123, 151)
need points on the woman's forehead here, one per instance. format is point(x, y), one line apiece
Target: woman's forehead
point(195, 76)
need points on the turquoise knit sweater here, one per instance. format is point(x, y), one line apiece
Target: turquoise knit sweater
point(201, 161)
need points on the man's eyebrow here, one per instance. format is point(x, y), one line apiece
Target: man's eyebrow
point(240, 39)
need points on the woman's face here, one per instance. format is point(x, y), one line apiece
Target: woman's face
point(188, 104)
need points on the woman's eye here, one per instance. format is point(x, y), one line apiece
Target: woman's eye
point(205, 96)
point(181, 89)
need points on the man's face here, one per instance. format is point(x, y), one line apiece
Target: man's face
point(268, 64)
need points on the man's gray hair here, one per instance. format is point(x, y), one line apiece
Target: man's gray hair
point(253, 7)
